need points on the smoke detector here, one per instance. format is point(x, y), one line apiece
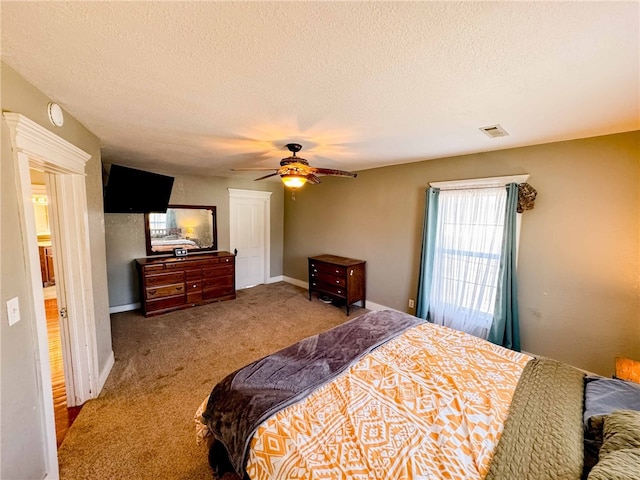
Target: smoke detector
point(494, 131)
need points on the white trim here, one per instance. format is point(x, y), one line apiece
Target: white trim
point(34, 146)
point(479, 182)
point(279, 278)
point(125, 308)
point(296, 282)
point(106, 370)
point(45, 149)
point(377, 307)
point(265, 197)
point(40, 190)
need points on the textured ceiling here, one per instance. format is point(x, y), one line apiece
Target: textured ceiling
point(206, 86)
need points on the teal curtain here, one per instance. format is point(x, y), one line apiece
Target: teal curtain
point(505, 329)
point(429, 228)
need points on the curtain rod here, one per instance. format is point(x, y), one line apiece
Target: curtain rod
point(477, 183)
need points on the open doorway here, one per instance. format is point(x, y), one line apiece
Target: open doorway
point(64, 412)
point(63, 164)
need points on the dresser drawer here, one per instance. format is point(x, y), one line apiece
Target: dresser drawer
point(194, 286)
point(194, 297)
point(201, 263)
point(329, 279)
point(226, 280)
point(164, 303)
point(216, 292)
point(321, 267)
point(153, 268)
point(193, 275)
point(222, 269)
point(165, 291)
point(331, 289)
point(164, 279)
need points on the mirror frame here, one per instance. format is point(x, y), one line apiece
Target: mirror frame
point(147, 230)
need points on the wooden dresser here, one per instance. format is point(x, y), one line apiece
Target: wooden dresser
point(46, 265)
point(338, 278)
point(172, 283)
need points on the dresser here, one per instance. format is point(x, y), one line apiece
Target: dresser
point(46, 265)
point(172, 283)
point(338, 278)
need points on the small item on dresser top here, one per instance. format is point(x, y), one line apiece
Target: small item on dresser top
point(180, 252)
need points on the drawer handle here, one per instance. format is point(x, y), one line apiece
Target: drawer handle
point(337, 281)
point(337, 271)
point(351, 273)
point(195, 285)
point(152, 292)
point(179, 288)
point(339, 291)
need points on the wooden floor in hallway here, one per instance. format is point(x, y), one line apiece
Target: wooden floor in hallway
point(64, 416)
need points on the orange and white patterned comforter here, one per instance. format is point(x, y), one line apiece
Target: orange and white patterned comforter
point(428, 404)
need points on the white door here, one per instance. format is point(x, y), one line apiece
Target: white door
point(249, 235)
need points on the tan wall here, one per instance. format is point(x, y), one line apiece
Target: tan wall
point(22, 449)
point(578, 268)
point(125, 232)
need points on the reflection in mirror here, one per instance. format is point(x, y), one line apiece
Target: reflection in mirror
point(182, 226)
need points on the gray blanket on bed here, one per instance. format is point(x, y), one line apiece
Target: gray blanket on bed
point(247, 397)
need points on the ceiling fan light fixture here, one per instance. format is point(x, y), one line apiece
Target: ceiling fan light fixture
point(294, 181)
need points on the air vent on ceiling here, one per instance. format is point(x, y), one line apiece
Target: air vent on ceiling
point(494, 131)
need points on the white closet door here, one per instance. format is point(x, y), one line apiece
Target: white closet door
point(249, 235)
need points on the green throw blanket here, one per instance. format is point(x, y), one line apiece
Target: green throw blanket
point(543, 434)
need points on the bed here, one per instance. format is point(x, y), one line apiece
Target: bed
point(169, 243)
point(388, 395)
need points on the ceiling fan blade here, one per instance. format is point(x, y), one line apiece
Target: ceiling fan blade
point(257, 169)
point(266, 176)
point(312, 179)
point(337, 173)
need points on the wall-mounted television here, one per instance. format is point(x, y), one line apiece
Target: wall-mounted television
point(135, 191)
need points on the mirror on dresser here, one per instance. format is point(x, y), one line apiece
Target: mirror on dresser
point(190, 227)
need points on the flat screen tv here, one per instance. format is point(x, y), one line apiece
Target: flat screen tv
point(135, 191)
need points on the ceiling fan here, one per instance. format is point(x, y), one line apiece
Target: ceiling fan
point(296, 171)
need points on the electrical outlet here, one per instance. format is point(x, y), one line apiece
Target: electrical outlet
point(13, 310)
point(411, 303)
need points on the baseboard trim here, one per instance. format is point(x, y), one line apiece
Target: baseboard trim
point(104, 374)
point(278, 278)
point(124, 308)
point(296, 282)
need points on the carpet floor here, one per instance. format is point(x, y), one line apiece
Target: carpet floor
point(141, 426)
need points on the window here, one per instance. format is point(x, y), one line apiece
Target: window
point(158, 224)
point(467, 258)
point(467, 271)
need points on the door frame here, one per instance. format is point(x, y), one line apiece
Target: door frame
point(235, 195)
point(33, 146)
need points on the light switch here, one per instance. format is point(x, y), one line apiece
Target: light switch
point(13, 310)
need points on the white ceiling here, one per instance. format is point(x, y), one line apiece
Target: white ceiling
point(203, 87)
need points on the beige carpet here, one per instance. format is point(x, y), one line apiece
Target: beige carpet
point(141, 426)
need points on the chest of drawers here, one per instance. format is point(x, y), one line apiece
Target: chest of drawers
point(339, 278)
point(168, 283)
